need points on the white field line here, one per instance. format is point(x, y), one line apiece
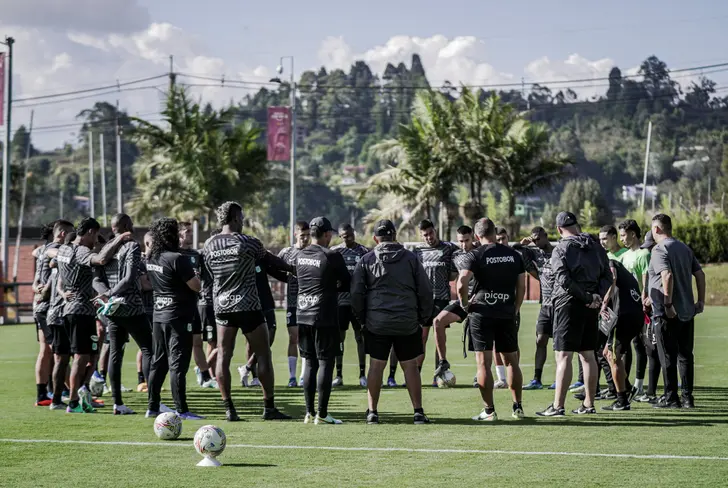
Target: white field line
point(377, 449)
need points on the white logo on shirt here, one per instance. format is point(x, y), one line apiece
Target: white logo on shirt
point(500, 259)
point(309, 262)
point(492, 298)
point(231, 251)
point(306, 301)
point(635, 295)
point(155, 267)
point(228, 300)
point(163, 302)
point(63, 259)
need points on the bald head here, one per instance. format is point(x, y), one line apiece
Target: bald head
point(121, 223)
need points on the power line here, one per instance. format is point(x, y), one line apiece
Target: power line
point(93, 95)
point(89, 90)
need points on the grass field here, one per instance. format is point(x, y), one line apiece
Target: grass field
point(643, 447)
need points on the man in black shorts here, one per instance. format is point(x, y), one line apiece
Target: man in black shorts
point(436, 257)
point(41, 304)
point(321, 275)
point(453, 312)
point(625, 298)
point(206, 309)
point(581, 279)
point(500, 278)
point(391, 296)
point(119, 285)
point(288, 254)
point(541, 249)
point(352, 252)
point(202, 367)
point(175, 285)
point(276, 268)
point(230, 258)
point(75, 262)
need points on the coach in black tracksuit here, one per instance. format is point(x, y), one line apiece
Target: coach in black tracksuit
point(391, 295)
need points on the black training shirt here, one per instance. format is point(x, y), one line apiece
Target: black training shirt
point(496, 268)
point(321, 275)
point(173, 299)
point(630, 299)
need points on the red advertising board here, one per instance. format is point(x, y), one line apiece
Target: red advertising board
point(279, 133)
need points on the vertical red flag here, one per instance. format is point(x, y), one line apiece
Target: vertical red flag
point(279, 133)
point(2, 89)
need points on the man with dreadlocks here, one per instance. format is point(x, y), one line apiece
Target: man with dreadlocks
point(175, 286)
point(230, 258)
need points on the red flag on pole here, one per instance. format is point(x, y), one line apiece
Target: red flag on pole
point(2, 89)
point(279, 133)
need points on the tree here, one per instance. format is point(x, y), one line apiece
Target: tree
point(196, 163)
point(699, 95)
point(615, 84)
point(525, 164)
point(576, 195)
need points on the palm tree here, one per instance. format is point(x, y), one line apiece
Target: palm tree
point(422, 171)
point(524, 163)
point(197, 162)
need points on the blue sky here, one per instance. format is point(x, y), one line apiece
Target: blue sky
point(515, 33)
point(64, 45)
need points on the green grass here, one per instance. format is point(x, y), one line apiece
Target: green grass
point(716, 278)
point(702, 432)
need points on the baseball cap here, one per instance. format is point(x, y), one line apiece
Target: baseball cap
point(566, 219)
point(649, 241)
point(384, 228)
point(322, 224)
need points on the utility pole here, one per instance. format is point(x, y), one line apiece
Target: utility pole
point(119, 203)
point(293, 157)
point(9, 41)
point(523, 93)
point(91, 202)
point(647, 163)
point(103, 179)
point(172, 75)
point(23, 194)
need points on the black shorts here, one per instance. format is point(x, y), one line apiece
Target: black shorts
point(405, 347)
point(82, 330)
point(319, 342)
point(545, 321)
point(247, 321)
point(576, 327)
point(346, 316)
point(270, 319)
point(627, 328)
point(291, 318)
point(487, 332)
point(61, 339)
point(207, 320)
point(41, 324)
point(454, 307)
point(438, 307)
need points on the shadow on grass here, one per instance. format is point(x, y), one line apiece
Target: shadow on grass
point(248, 465)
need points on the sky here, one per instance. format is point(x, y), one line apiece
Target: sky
point(70, 45)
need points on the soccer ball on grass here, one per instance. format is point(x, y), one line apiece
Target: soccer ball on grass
point(446, 379)
point(210, 441)
point(168, 426)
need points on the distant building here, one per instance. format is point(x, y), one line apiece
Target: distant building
point(633, 193)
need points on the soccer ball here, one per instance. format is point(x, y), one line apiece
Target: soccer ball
point(96, 387)
point(168, 426)
point(446, 380)
point(210, 441)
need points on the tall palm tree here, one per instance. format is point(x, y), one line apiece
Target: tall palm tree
point(199, 160)
point(524, 163)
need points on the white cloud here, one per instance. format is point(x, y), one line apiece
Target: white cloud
point(575, 67)
point(457, 60)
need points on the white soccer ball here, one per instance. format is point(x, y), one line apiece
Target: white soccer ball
point(446, 380)
point(96, 387)
point(168, 426)
point(210, 441)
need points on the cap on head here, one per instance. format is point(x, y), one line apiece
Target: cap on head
point(566, 219)
point(319, 225)
point(384, 228)
point(649, 241)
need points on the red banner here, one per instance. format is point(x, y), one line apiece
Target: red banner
point(2, 88)
point(279, 133)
